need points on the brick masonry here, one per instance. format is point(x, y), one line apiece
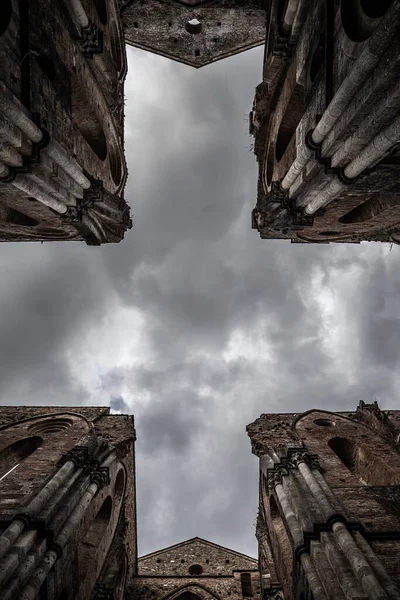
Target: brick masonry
point(307, 63)
point(325, 478)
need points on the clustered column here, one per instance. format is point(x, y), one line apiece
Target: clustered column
point(367, 570)
point(25, 563)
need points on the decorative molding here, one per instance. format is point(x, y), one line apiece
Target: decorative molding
point(80, 456)
point(292, 461)
point(92, 40)
point(275, 475)
point(83, 459)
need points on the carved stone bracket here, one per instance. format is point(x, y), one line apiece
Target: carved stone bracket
point(83, 459)
point(278, 194)
point(101, 476)
point(73, 215)
point(79, 455)
point(92, 194)
point(299, 456)
point(294, 458)
point(102, 592)
point(299, 218)
point(275, 476)
point(92, 40)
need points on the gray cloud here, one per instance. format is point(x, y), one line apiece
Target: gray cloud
point(193, 323)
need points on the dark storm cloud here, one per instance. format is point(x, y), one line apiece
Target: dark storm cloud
point(193, 323)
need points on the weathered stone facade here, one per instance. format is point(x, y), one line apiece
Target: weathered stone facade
point(194, 32)
point(195, 570)
point(329, 521)
point(62, 165)
point(67, 503)
point(326, 122)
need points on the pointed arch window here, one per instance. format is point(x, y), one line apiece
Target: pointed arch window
point(281, 541)
point(94, 536)
point(14, 454)
point(363, 462)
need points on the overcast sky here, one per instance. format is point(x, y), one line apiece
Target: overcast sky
point(193, 323)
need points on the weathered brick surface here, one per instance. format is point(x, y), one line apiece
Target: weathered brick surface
point(322, 468)
point(77, 99)
point(226, 28)
point(102, 546)
point(303, 70)
point(165, 573)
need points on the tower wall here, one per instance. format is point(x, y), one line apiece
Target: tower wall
point(62, 165)
point(67, 503)
point(325, 120)
point(328, 524)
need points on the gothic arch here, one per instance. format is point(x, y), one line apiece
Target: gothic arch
point(198, 592)
point(58, 434)
point(362, 462)
point(98, 534)
point(15, 453)
point(94, 537)
point(362, 454)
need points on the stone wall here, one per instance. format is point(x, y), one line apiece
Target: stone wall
point(62, 165)
point(329, 497)
point(314, 183)
point(195, 33)
point(69, 501)
point(195, 567)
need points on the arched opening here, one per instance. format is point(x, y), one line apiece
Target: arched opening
point(119, 487)
point(116, 50)
point(18, 218)
point(369, 209)
point(17, 452)
point(187, 595)
point(93, 537)
point(115, 165)
point(363, 462)
point(282, 543)
point(361, 17)
point(247, 588)
point(5, 15)
point(195, 570)
point(345, 450)
point(291, 119)
point(193, 26)
point(374, 9)
point(101, 9)
point(87, 121)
